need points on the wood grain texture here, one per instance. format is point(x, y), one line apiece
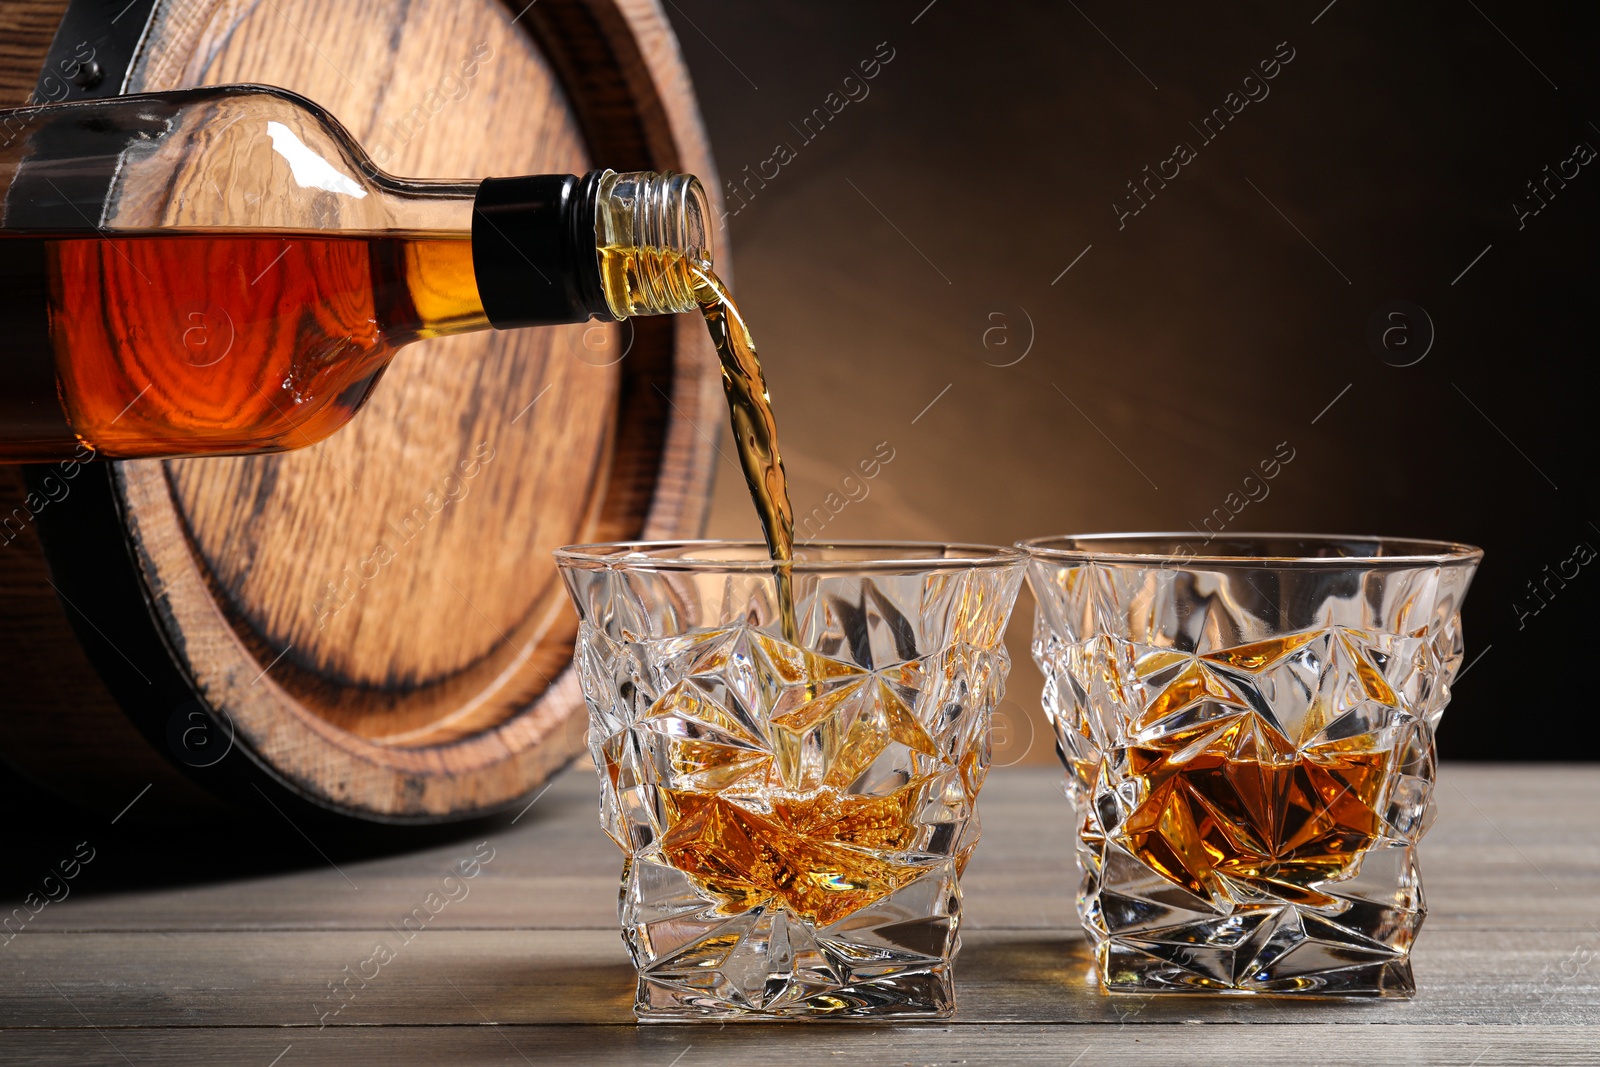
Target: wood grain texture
point(583, 977)
point(281, 536)
point(744, 1046)
point(26, 30)
point(440, 686)
point(1021, 879)
point(238, 970)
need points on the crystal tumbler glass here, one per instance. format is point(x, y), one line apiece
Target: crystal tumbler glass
point(1247, 724)
point(795, 797)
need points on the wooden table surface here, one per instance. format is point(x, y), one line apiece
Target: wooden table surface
point(220, 947)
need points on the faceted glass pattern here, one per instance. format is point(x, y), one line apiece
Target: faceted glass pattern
point(795, 810)
point(1249, 740)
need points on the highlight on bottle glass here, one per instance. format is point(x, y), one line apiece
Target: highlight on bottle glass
point(1248, 728)
point(792, 783)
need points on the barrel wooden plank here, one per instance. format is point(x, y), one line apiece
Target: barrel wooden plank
point(26, 29)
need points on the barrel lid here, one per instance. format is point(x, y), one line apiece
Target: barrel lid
point(377, 619)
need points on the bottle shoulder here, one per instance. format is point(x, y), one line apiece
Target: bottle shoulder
point(237, 157)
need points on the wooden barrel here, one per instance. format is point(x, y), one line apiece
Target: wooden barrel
point(228, 628)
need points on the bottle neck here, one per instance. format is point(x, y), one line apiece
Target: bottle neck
point(654, 242)
point(551, 249)
point(533, 250)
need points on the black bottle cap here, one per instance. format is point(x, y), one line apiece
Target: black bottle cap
point(533, 250)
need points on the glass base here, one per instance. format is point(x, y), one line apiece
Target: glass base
point(696, 961)
point(1183, 962)
point(923, 994)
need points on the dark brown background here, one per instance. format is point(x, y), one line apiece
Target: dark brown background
point(1222, 320)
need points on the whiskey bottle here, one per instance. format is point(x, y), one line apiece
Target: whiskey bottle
point(224, 270)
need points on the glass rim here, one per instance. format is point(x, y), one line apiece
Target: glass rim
point(654, 555)
point(1407, 551)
